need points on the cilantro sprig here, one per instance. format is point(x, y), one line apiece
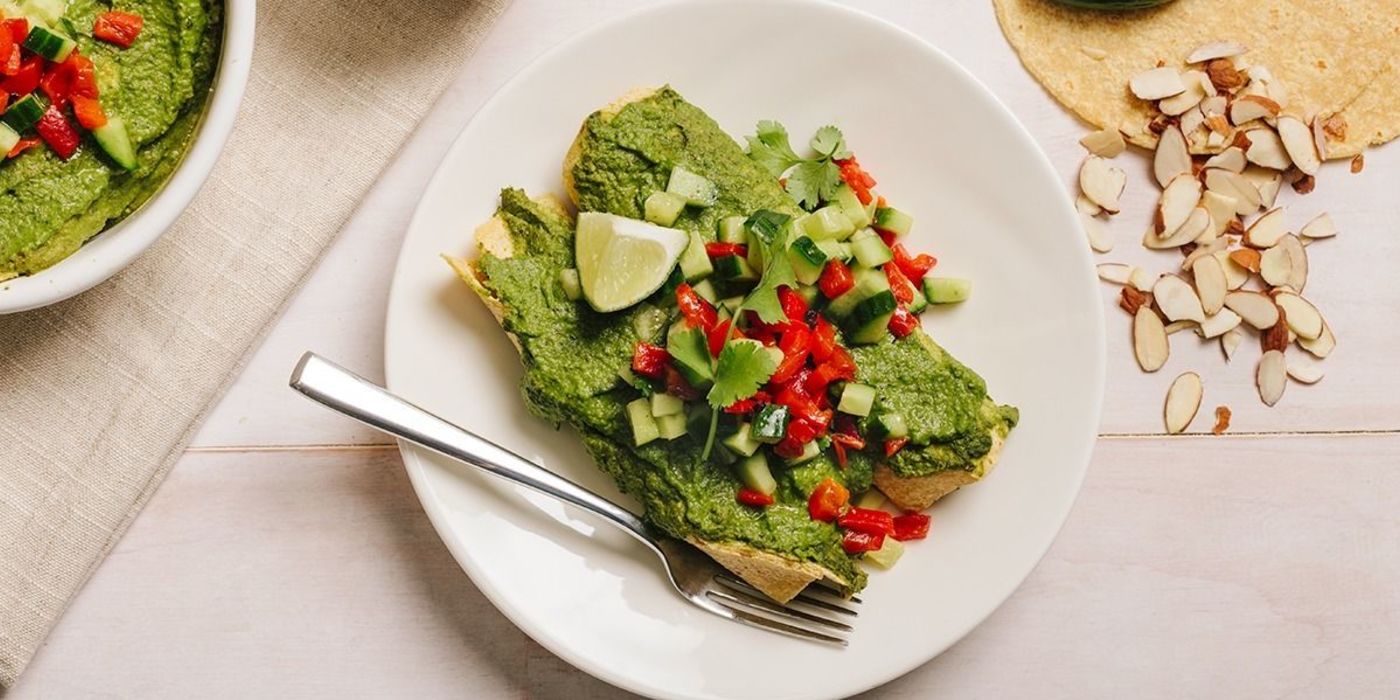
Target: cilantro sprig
point(810, 181)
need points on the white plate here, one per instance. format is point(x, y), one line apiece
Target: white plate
point(987, 204)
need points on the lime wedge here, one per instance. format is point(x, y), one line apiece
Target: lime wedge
point(622, 261)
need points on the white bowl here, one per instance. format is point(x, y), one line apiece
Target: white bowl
point(115, 248)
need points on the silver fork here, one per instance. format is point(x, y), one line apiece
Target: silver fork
point(812, 615)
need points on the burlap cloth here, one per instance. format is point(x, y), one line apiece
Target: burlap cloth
point(99, 394)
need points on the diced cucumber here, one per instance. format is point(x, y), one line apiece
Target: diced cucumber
point(665, 405)
point(690, 355)
point(648, 321)
point(838, 250)
point(49, 43)
point(24, 113)
point(733, 267)
point(827, 223)
point(894, 221)
point(767, 224)
point(754, 473)
point(773, 352)
point(856, 399)
point(732, 303)
point(631, 379)
point(918, 303)
point(870, 318)
point(891, 425)
point(568, 279)
point(888, 553)
point(663, 208)
point(810, 451)
point(8, 138)
point(871, 208)
point(770, 423)
point(809, 294)
point(808, 259)
point(706, 290)
point(742, 442)
point(850, 205)
point(841, 307)
point(756, 248)
point(870, 282)
point(116, 143)
point(644, 428)
point(672, 426)
point(695, 262)
point(871, 500)
point(731, 229)
point(869, 250)
point(693, 188)
point(946, 290)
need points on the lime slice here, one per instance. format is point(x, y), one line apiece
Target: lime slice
point(622, 261)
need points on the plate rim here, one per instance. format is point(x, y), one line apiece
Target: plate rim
point(412, 454)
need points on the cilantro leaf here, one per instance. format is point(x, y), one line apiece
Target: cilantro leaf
point(813, 181)
point(829, 142)
point(771, 149)
point(744, 365)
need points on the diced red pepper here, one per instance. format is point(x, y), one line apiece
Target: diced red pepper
point(795, 345)
point(823, 339)
point(880, 201)
point(677, 386)
point(875, 522)
point(827, 500)
point(9, 54)
point(887, 236)
point(89, 112)
point(120, 28)
point(19, 29)
point(748, 405)
point(650, 361)
point(757, 499)
point(902, 323)
point(807, 426)
point(26, 80)
point(719, 250)
point(23, 145)
point(856, 178)
point(911, 526)
point(787, 448)
point(794, 306)
point(836, 279)
point(840, 442)
point(84, 75)
point(914, 267)
point(856, 542)
point(697, 312)
point(58, 133)
point(58, 82)
point(715, 337)
point(900, 285)
point(894, 445)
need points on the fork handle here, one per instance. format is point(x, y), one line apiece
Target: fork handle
point(343, 391)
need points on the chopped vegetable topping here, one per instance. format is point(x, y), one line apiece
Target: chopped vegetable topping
point(119, 28)
point(911, 526)
point(855, 542)
point(810, 181)
point(827, 500)
point(757, 499)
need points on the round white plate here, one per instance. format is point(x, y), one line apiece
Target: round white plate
point(986, 203)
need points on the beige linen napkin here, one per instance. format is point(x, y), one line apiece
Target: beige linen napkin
point(99, 394)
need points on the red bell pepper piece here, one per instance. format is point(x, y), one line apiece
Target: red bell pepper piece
point(84, 75)
point(823, 339)
point(911, 526)
point(900, 285)
point(807, 426)
point(8, 54)
point(58, 133)
point(868, 520)
point(840, 442)
point(794, 306)
point(748, 405)
point(836, 279)
point(19, 29)
point(826, 500)
point(697, 312)
point(902, 323)
point(856, 178)
point(795, 346)
point(716, 336)
point(89, 112)
point(719, 250)
point(914, 267)
point(757, 499)
point(650, 361)
point(119, 28)
point(894, 445)
point(888, 237)
point(23, 145)
point(26, 80)
point(677, 386)
point(856, 542)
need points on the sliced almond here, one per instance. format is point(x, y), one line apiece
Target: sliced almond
point(1247, 258)
point(1171, 158)
point(1303, 318)
point(1179, 199)
point(1275, 267)
point(1195, 225)
point(1150, 344)
point(1084, 206)
point(1191, 120)
point(1183, 401)
point(1320, 227)
point(1297, 261)
point(1234, 185)
point(1177, 300)
point(1219, 324)
point(1358, 163)
point(1319, 138)
point(1204, 249)
point(1157, 83)
point(1235, 276)
point(1305, 372)
point(1256, 309)
point(1215, 106)
point(1231, 159)
point(1266, 149)
point(1251, 107)
point(1141, 280)
point(1186, 99)
point(1178, 326)
point(1272, 377)
point(1230, 342)
point(1100, 239)
point(1210, 284)
point(1266, 230)
point(1323, 345)
point(1221, 209)
point(1107, 143)
point(1298, 141)
point(1102, 182)
point(1215, 49)
point(1117, 273)
point(1267, 182)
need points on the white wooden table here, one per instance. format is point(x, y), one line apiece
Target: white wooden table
point(286, 554)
